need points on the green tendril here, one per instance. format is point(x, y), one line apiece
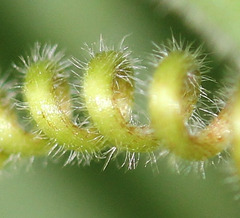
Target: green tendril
point(48, 97)
point(107, 94)
point(168, 111)
point(13, 138)
point(108, 91)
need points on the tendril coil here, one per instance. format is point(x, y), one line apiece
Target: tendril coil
point(103, 92)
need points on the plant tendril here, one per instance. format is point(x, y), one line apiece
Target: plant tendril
point(105, 125)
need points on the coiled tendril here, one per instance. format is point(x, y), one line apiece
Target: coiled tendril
point(106, 93)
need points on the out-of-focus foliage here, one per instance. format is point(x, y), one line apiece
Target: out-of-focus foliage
point(74, 191)
point(216, 20)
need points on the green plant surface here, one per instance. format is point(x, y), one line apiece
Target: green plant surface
point(77, 191)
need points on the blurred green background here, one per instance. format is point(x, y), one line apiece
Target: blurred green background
point(72, 191)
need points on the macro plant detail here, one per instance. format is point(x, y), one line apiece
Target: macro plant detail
point(86, 108)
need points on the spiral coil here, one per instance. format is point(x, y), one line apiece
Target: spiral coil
point(106, 91)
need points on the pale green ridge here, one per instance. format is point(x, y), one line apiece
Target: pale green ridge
point(108, 101)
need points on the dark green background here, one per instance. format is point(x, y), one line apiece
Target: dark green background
point(72, 191)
